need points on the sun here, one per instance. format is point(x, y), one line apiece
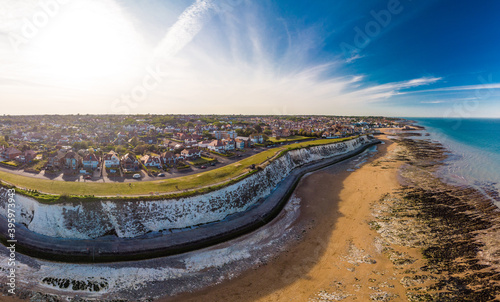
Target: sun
point(88, 40)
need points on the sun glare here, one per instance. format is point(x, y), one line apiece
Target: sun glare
point(89, 40)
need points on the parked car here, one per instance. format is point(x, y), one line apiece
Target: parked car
point(87, 177)
point(161, 175)
point(203, 167)
point(136, 176)
point(212, 164)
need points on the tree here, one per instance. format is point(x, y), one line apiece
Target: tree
point(134, 141)
point(152, 148)
point(258, 128)
point(108, 148)
point(121, 150)
point(140, 149)
point(80, 145)
point(3, 142)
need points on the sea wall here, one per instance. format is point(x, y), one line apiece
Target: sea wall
point(88, 220)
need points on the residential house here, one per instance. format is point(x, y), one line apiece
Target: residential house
point(72, 160)
point(239, 144)
point(149, 139)
point(170, 145)
point(168, 158)
point(111, 160)
point(179, 157)
point(279, 133)
point(191, 153)
point(11, 153)
point(257, 138)
point(90, 161)
point(27, 156)
point(129, 162)
point(151, 161)
point(56, 160)
point(225, 134)
point(243, 142)
point(190, 140)
point(204, 144)
point(217, 146)
point(229, 145)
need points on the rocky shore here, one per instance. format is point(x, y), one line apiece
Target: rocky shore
point(456, 228)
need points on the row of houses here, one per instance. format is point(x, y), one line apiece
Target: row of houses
point(68, 159)
point(170, 158)
point(130, 163)
point(219, 145)
point(12, 153)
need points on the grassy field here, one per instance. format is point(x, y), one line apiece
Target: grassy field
point(289, 139)
point(147, 187)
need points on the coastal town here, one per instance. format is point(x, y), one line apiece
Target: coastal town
point(146, 147)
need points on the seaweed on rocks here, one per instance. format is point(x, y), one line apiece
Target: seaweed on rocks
point(453, 226)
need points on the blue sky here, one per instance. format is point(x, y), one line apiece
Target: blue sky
point(395, 58)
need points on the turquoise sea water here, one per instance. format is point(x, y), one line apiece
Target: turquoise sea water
point(474, 146)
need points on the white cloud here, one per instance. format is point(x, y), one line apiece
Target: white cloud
point(353, 58)
point(489, 86)
point(189, 24)
point(432, 102)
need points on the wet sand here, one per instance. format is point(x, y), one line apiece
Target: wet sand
point(338, 253)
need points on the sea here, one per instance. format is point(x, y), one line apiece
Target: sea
point(474, 152)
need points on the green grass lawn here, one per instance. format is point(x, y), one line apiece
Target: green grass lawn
point(201, 161)
point(154, 169)
point(289, 139)
point(38, 165)
point(146, 187)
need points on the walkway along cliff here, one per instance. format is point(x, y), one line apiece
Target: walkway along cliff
point(128, 230)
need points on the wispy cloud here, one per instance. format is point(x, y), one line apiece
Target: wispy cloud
point(189, 24)
point(384, 91)
point(461, 88)
point(432, 102)
point(353, 58)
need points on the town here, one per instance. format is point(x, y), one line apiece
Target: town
point(145, 147)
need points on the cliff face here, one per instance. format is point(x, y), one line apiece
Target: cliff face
point(135, 218)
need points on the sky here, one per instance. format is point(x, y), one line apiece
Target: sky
point(348, 57)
